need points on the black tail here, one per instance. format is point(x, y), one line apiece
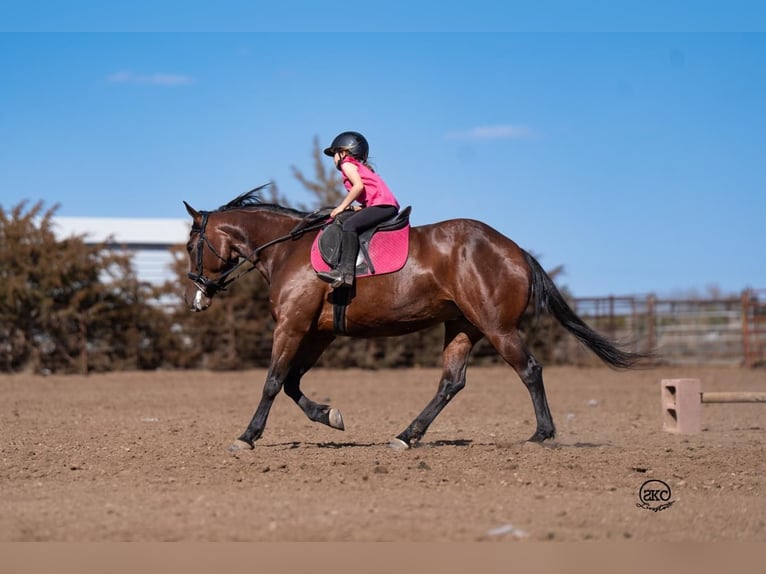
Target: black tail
point(548, 298)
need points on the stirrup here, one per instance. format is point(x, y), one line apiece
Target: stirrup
point(336, 278)
point(330, 276)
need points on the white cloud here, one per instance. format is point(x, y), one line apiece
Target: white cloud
point(150, 79)
point(498, 132)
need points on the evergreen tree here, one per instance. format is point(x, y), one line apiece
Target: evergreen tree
point(65, 305)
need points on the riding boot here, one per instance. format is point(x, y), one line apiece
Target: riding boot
point(349, 252)
point(343, 275)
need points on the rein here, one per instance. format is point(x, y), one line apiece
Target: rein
point(210, 287)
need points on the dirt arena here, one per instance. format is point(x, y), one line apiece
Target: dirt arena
point(143, 457)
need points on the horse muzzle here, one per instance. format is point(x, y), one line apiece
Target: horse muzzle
point(197, 300)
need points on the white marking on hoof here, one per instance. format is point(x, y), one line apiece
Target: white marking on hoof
point(398, 444)
point(336, 420)
point(240, 445)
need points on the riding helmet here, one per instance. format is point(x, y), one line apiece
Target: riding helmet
point(353, 143)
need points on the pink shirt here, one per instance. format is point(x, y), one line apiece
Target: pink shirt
point(375, 190)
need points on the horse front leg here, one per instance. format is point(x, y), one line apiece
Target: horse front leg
point(459, 338)
point(316, 412)
point(311, 350)
point(284, 350)
point(274, 382)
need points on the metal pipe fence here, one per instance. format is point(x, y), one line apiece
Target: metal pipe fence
point(726, 331)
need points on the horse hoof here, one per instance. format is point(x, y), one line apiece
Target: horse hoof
point(532, 444)
point(336, 420)
point(240, 445)
point(398, 444)
point(539, 437)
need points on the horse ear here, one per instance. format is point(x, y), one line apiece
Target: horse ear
point(193, 212)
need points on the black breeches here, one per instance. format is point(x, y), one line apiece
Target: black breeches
point(369, 217)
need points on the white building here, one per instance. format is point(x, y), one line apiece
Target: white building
point(149, 239)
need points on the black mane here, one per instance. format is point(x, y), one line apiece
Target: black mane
point(253, 198)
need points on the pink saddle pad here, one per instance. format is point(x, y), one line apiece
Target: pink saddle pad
point(388, 252)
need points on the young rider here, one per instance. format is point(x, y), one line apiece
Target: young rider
point(349, 151)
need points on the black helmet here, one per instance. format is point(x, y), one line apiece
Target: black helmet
point(352, 142)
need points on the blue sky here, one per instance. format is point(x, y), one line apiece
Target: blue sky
point(631, 152)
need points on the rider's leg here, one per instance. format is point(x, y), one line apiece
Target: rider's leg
point(363, 219)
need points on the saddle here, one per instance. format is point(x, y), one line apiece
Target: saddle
point(382, 249)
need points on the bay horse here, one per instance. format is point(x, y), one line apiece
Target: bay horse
point(460, 272)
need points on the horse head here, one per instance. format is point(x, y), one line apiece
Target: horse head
point(212, 258)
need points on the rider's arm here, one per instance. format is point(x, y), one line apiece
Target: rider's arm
point(352, 173)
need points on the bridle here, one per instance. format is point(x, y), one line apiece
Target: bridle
point(209, 287)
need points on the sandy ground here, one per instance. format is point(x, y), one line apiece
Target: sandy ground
point(143, 457)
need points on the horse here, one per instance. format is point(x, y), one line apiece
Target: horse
point(460, 272)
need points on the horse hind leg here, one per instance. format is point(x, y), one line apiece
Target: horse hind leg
point(532, 376)
point(459, 338)
point(530, 371)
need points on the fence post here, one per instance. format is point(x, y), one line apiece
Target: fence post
point(746, 349)
point(650, 322)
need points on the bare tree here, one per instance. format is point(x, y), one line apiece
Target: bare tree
point(327, 186)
